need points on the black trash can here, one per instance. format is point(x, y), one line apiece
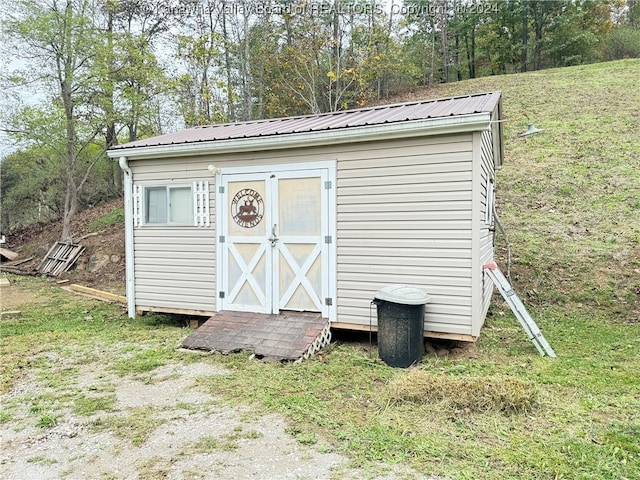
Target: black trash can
point(400, 324)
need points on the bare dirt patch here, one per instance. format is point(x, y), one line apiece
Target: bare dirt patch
point(99, 242)
point(12, 297)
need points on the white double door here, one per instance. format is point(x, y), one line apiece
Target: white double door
point(275, 241)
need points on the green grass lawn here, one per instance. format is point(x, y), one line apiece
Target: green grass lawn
point(499, 411)
point(570, 200)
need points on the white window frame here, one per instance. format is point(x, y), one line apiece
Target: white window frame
point(199, 191)
point(489, 202)
point(168, 188)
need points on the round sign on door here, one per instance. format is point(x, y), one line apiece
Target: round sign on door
point(247, 208)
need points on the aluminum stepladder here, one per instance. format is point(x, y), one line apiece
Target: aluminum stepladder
point(518, 308)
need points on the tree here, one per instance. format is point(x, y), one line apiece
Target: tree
point(89, 64)
point(575, 33)
point(342, 56)
point(32, 185)
point(633, 13)
point(199, 50)
point(34, 177)
point(132, 80)
point(382, 63)
point(56, 37)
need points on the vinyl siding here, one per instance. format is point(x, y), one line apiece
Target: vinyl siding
point(486, 235)
point(486, 248)
point(404, 215)
point(174, 265)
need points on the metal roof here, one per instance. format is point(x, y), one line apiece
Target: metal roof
point(379, 115)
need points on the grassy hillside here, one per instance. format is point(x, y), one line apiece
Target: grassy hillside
point(570, 197)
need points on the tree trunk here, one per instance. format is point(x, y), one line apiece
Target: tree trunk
point(247, 86)
point(231, 113)
point(525, 38)
point(66, 65)
point(471, 53)
point(334, 96)
point(433, 52)
point(70, 205)
point(111, 138)
point(387, 75)
point(458, 72)
point(71, 194)
point(538, 24)
point(445, 43)
point(260, 94)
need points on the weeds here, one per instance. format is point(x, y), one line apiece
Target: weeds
point(226, 443)
point(42, 459)
point(113, 217)
point(140, 361)
point(87, 406)
point(47, 420)
point(135, 427)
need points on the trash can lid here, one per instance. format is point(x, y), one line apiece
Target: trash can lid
point(404, 294)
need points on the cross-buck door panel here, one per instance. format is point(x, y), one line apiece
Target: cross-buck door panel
point(299, 249)
point(247, 276)
point(275, 253)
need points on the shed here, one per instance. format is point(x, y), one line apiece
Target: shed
point(317, 213)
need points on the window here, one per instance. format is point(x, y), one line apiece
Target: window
point(489, 203)
point(171, 204)
point(168, 204)
point(155, 201)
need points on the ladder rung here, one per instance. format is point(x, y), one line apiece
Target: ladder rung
point(527, 323)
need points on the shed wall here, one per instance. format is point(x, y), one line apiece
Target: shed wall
point(486, 251)
point(174, 265)
point(404, 215)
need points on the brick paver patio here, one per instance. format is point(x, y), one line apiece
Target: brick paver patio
point(286, 336)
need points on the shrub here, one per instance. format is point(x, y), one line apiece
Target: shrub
point(622, 42)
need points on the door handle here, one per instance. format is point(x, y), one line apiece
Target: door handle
point(274, 237)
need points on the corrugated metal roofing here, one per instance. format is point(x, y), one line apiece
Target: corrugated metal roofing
point(383, 114)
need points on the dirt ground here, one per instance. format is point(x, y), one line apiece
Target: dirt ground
point(12, 298)
point(214, 442)
point(105, 245)
point(193, 435)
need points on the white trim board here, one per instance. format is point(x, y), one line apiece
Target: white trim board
point(279, 167)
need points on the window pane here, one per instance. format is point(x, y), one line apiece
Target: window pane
point(300, 205)
point(156, 205)
point(181, 205)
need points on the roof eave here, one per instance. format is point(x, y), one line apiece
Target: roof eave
point(414, 128)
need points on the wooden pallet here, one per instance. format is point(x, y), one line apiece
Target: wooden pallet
point(60, 258)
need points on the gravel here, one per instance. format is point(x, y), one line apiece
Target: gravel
point(195, 436)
